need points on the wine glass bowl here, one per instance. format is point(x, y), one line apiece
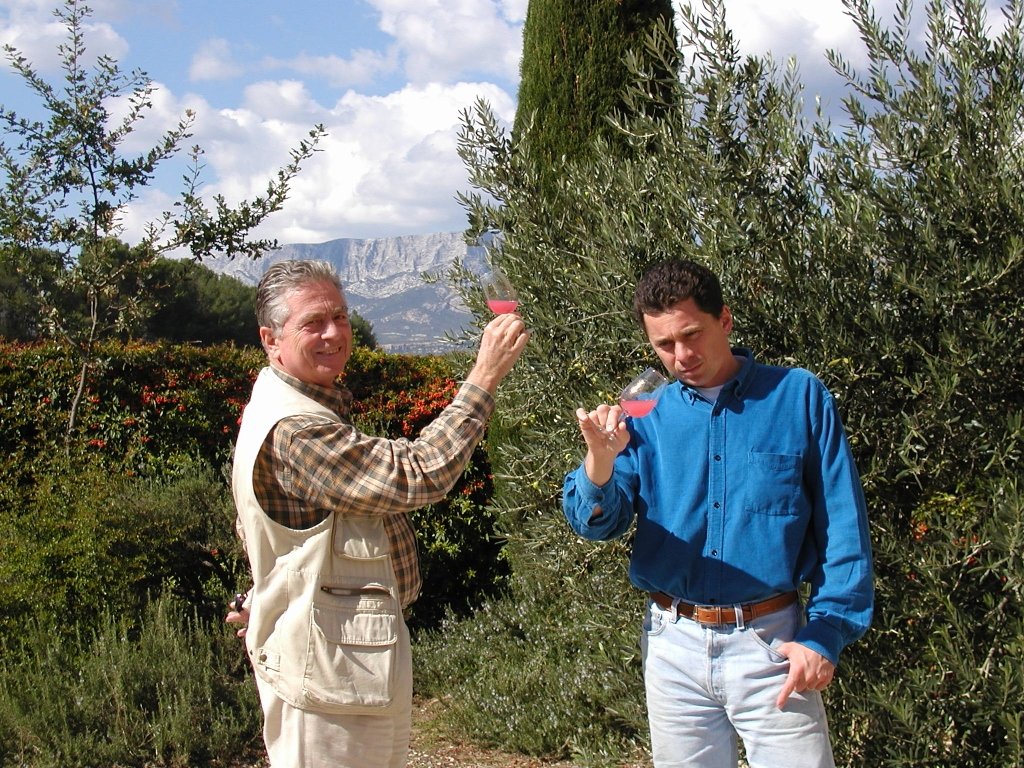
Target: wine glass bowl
point(639, 397)
point(499, 294)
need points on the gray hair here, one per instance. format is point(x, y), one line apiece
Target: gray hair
point(283, 278)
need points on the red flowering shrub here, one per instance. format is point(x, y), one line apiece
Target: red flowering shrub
point(152, 411)
point(144, 404)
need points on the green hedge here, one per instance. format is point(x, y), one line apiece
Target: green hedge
point(138, 500)
point(144, 405)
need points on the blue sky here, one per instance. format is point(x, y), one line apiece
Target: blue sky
point(387, 78)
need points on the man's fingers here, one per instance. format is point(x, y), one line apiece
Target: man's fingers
point(787, 691)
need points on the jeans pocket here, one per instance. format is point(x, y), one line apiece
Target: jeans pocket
point(769, 646)
point(654, 620)
point(771, 631)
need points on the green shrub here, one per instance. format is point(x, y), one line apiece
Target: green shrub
point(940, 680)
point(549, 668)
point(83, 541)
point(159, 689)
point(163, 412)
point(542, 673)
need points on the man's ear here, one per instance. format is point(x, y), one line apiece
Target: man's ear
point(726, 319)
point(269, 342)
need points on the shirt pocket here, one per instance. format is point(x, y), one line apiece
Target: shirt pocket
point(773, 483)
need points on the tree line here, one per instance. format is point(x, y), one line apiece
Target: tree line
point(188, 303)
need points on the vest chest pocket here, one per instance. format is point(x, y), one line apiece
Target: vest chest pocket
point(352, 652)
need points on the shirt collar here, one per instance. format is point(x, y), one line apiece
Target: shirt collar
point(738, 384)
point(745, 376)
point(337, 398)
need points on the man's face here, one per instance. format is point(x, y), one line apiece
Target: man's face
point(693, 345)
point(316, 342)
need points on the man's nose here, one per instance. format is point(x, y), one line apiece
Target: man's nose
point(334, 329)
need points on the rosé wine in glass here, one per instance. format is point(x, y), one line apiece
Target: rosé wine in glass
point(499, 307)
point(639, 397)
point(498, 292)
point(637, 408)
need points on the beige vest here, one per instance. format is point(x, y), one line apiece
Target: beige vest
point(324, 614)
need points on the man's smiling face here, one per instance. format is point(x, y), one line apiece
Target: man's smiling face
point(315, 343)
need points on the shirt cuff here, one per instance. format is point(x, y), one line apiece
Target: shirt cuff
point(479, 400)
point(581, 512)
point(821, 637)
point(588, 489)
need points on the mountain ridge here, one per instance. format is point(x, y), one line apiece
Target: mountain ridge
point(383, 279)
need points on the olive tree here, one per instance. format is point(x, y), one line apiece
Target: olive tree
point(881, 251)
point(67, 180)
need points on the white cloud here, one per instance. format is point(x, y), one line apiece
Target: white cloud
point(390, 164)
point(361, 68)
point(387, 166)
point(787, 27)
point(214, 61)
point(440, 39)
point(31, 27)
point(808, 29)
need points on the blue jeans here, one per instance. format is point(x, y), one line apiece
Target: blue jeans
point(708, 684)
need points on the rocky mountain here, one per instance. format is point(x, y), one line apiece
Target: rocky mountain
point(384, 283)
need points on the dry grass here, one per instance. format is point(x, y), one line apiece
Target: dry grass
point(432, 748)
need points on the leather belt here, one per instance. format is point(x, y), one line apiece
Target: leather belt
point(724, 614)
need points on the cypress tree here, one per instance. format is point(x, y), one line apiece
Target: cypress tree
point(574, 69)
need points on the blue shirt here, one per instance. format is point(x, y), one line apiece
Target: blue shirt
point(741, 499)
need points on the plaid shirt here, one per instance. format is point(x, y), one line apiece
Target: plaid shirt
point(310, 466)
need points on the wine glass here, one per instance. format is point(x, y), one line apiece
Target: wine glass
point(498, 292)
point(639, 397)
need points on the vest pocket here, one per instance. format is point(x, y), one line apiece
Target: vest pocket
point(352, 649)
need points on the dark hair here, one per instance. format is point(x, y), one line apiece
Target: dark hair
point(669, 282)
point(283, 278)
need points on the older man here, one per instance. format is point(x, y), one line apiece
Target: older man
point(322, 510)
